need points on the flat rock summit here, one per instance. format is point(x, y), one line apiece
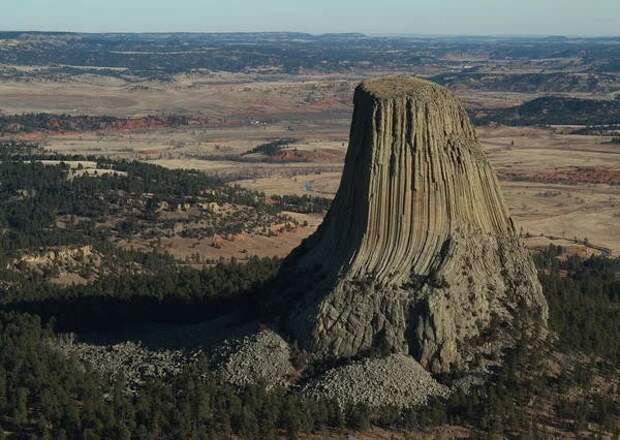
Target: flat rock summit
point(418, 255)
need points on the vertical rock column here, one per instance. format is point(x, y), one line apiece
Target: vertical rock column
point(417, 252)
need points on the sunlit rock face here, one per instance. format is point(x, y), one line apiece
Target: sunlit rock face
point(418, 253)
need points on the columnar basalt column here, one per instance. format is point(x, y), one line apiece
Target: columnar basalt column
point(418, 253)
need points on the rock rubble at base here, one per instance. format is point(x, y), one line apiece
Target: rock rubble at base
point(130, 361)
point(263, 357)
point(397, 380)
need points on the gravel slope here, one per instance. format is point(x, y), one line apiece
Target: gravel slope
point(397, 380)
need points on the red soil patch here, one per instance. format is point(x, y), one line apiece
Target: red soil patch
point(569, 175)
point(70, 125)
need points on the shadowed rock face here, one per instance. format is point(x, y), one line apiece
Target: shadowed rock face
point(418, 253)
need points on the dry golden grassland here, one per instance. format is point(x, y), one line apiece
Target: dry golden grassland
point(245, 111)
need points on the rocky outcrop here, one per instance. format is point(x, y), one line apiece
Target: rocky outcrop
point(417, 253)
point(132, 362)
point(59, 261)
point(263, 357)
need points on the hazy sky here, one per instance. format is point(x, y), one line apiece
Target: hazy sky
point(568, 17)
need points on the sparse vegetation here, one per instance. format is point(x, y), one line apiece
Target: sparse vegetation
point(304, 204)
point(272, 148)
point(554, 110)
point(42, 206)
point(543, 82)
point(598, 130)
point(45, 122)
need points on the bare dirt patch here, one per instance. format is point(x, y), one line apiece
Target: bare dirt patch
point(240, 246)
point(440, 433)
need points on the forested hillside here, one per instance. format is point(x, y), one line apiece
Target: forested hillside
point(45, 396)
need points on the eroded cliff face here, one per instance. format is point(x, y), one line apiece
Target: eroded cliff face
point(418, 253)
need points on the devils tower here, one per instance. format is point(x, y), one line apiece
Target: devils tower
point(418, 253)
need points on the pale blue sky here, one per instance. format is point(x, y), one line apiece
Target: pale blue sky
point(477, 17)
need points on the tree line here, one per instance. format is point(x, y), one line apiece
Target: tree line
point(160, 292)
point(584, 301)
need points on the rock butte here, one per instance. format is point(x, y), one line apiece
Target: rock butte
point(418, 253)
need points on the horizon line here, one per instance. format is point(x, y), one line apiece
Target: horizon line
point(368, 34)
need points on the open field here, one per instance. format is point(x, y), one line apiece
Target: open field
point(225, 97)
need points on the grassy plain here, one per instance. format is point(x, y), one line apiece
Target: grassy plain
point(315, 110)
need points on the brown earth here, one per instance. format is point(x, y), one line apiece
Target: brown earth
point(240, 246)
point(440, 433)
point(570, 175)
point(317, 156)
point(69, 125)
